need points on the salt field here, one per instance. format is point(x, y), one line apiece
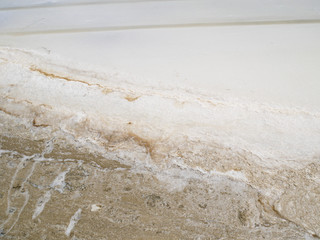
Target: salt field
point(159, 119)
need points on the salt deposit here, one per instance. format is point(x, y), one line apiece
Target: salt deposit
point(192, 114)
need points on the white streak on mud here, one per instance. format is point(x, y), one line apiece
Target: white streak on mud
point(4, 151)
point(73, 221)
point(24, 192)
point(49, 147)
point(41, 204)
point(58, 184)
point(19, 167)
point(26, 195)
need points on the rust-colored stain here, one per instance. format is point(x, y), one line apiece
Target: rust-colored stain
point(104, 89)
point(35, 124)
point(53, 75)
point(19, 101)
point(7, 112)
point(28, 102)
point(131, 98)
point(142, 142)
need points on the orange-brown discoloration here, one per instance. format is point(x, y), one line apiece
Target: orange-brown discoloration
point(36, 124)
point(147, 144)
point(6, 111)
point(51, 75)
point(106, 90)
point(131, 98)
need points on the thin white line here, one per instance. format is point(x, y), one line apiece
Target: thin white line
point(163, 26)
point(73, 221)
